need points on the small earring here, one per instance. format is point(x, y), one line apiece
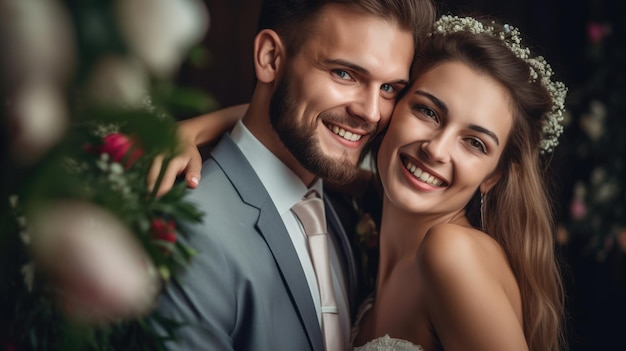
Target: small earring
point(482, 211)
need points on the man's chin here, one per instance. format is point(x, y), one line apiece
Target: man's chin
point(339, 171)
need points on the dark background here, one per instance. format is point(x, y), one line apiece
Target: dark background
point(594, 274)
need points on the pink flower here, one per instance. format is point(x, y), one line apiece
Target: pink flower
point(578, 209)
point(118, 146)
point(597, 31)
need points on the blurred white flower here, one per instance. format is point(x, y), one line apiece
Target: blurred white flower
point(37, 55)
point(39, 118)
point(567, 118)
point(37, 40)
point(598, 175)
point(28, 271)
point(161, 32)
point(606, 192)
point(100, 271)
point(593, 122)
point(119, 80)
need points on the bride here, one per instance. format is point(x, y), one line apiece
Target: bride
point(466, 239)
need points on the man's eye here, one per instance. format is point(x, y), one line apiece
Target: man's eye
point(388, 88)
point(342, 74)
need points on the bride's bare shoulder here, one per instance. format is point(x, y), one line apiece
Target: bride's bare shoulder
point(453, 251)
point(469, 289)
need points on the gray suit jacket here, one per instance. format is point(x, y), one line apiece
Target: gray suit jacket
point(245, 289)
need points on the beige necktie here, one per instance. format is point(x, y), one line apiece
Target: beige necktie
point(310, 212)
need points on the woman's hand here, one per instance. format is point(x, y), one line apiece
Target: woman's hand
point(193, 132)
point(188, 162)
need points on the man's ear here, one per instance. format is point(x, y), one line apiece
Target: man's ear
point(269, 54)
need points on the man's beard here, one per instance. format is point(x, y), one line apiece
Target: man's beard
point(301, 141)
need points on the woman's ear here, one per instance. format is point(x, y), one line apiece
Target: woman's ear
point(490, 181)
point(268, 55)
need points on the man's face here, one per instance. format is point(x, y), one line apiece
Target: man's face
point(339, 90)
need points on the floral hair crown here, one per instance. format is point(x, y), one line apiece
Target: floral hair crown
point(539, 69)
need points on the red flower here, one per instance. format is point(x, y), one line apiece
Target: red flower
point(164, 230)
point(120, 147)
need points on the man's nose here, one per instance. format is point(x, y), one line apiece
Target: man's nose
point(366, 105)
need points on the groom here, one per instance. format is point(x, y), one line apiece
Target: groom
point(328, 73)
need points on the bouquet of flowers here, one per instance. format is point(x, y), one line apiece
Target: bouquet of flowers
point(87, 101)
point(86, 246)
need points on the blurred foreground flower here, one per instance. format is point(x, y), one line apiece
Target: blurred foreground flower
point(161, 31)
point(99, 270)
point(37, 49)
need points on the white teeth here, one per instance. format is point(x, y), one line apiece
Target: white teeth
point(345, 134)
point(422, 175)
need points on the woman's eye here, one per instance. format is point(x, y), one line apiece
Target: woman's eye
point(429, 113)
point(477, 144)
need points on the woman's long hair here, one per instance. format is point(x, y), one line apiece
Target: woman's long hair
point(517, 211)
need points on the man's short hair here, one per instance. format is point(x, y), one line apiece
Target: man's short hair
point(294, 20)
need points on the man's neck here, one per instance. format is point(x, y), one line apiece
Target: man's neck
point(257, 121)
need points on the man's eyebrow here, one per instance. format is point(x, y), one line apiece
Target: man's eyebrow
point(348, 64)
point(359, 69)
point(442, 106)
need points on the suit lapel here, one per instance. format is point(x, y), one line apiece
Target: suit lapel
point(271, 227)
point(287, 260)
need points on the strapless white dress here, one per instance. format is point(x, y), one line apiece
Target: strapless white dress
point(387, 343)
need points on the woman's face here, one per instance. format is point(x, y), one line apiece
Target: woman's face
point(444, 140)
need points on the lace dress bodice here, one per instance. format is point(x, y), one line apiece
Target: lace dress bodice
point(387, 343)
point(384, 343)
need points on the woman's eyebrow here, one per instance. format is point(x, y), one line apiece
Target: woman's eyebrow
point(440, 104)
point(485, 131)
